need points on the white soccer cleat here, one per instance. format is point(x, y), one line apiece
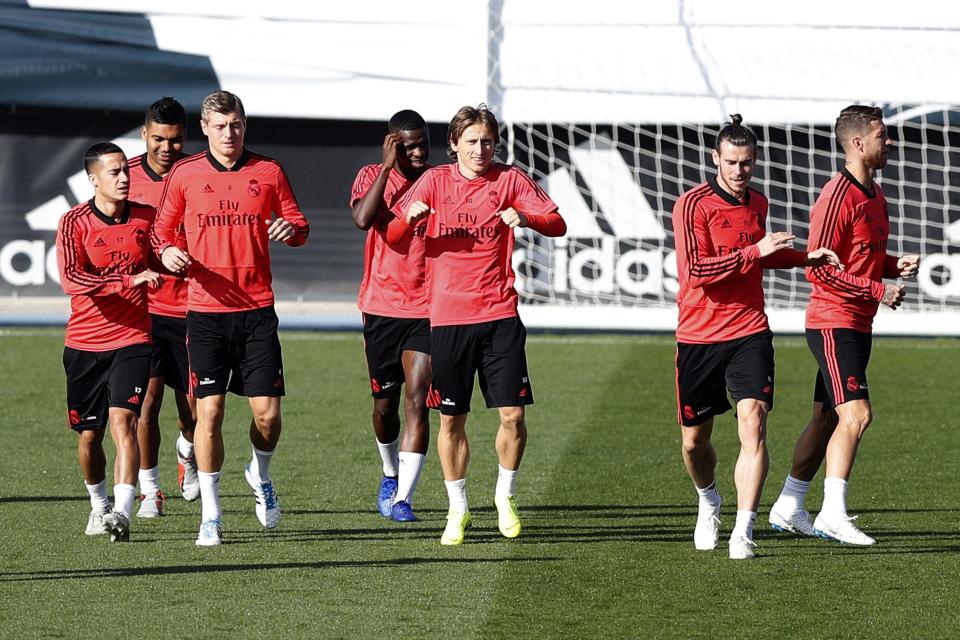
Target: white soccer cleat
point(268, 505)
point(211, 534)
point(95, 526)
point(741, 548)
point(797, 523)
point(118, 526)
point(706, 536)
point(841, 529)
point(152, 506)
point(187, 478)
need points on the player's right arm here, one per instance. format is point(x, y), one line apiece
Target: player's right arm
point(367, 199)
point(163, 232)
point(77, 278)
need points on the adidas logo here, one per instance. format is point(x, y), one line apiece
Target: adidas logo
point(99, 243)
point(207, 189)
point(134, 399)
point(726, 224)
point(447, 200)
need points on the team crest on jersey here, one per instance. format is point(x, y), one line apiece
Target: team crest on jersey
point(74, 417)
point(688, 412)
point(494, 199)
point(253, 188)
point(141, 237)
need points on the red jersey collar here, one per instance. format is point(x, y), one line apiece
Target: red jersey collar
point(717, 189)
point(490, 174)
point(870, 193)
point(107, 219)
point(244, 158)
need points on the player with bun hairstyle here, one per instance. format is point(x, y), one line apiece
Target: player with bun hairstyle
point(724, 341)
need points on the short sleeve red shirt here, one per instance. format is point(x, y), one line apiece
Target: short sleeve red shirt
point(394, 277)
point(98, 256)
point(146, 186)
point(469, 249)
point(225, 214)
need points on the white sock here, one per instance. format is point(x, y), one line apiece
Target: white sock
point(123, 495)
point(411, 464)
point(149, 481)
point(99, 500)
point(390, 454)
point(506, 481)
point(260, 465)
point(457, 494)
point(744, 524)
point(793, 495)
point(209, 496)
point(834, 497)
point(709, 497)
point(184, 447)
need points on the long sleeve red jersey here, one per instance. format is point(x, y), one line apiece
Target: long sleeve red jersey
point(170, 298)
point(469, 248)
point(394, 277)
point(97, 257)
point(851, 219)
point(225, 214)
point(718, 265)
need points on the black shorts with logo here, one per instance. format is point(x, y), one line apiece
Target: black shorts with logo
point(495, 350)
point(384, 341)
point(705, 372)
point(169, 360)
point(98, 380)
point(237, 351)
point(842, 355)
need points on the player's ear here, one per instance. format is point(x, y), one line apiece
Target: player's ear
point(716, 158)
point(93, 179)
point(143, 133)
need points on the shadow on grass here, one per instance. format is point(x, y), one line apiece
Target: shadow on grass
point(75, 498)
point(85, 574)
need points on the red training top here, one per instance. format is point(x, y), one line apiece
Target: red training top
point(394, 276)
point(850, 219)
point(170, 298)
point(719, 265)
point(225, 214)
point(98, 256)
point(469, 249)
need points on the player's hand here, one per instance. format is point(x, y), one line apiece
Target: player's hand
point(822, 256)
point(773, 242)
point(150, 278)
point(175, 259)
point(513, 218)
point(280, 230)
point(908, 265)
point(417, 212)
point(892, 295)
point(391, 149)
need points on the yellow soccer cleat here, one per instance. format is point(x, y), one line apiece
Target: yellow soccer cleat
point(507, 517)
point(457, 523)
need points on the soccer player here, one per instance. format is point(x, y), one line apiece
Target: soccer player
point(850, 217)
point(395, 305)
point(723, 337)
point(226, 198)
point(164, 131)
point(472, 207)
point(102, 252)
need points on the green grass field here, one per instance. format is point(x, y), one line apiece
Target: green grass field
point(608, 512)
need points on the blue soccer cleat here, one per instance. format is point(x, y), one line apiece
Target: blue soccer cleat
point(402, 512)
point(385, 496)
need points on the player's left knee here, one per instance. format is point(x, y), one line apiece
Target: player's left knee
point(513, 418)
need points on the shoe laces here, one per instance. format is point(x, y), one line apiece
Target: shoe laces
point(269, 495)
point(743, 540)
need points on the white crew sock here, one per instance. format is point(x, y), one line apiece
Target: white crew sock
point(149, 481)
point(411, 464)
point(390, 454)
point(184, 447)
point(506, 482)
point(709, 497)
point(209, 496)
point(793, 496)
point(744, 524)
point(260, 465)
point(457, 494)
point(123, 495)
point(99, 500)
point(834, 497)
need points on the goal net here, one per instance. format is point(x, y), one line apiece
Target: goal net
point(616, 185)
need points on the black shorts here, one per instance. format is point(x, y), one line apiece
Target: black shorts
point(705, 372)
point(169, 360)
point(495, 350)
point(384, 341)
point(842, 355)
point(237, 352)
point(98, 380)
